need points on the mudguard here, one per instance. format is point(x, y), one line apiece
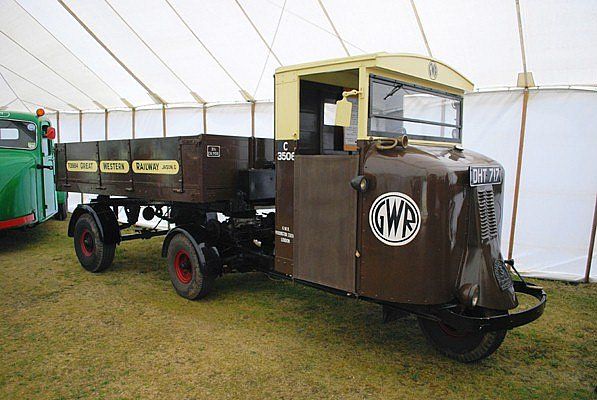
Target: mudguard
point(104, 218)
point(508, 321)
point(208, 256)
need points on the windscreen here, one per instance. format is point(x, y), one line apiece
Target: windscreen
point(17, 134)
point(400, 109)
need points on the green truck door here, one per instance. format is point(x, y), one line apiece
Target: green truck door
point(47, 178)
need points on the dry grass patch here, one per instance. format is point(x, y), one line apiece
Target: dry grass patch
point(66, 333)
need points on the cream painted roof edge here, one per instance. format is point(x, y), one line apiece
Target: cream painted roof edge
point(367, 57)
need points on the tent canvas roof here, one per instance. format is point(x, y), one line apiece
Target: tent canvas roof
point(83, 55)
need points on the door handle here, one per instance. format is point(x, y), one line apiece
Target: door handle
point(41, 166)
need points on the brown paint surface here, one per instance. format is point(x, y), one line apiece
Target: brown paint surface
point(325, 215)
point(200, 178)
point(427, 270)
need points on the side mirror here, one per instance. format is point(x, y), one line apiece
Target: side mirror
point(344, 108)
point(343, 112)
point(50, 133)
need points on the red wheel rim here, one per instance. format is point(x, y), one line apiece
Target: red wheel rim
point(183, 267)
point(87, 243)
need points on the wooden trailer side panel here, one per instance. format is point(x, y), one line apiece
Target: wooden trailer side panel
point(193, 169)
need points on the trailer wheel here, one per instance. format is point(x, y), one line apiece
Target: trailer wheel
point(188, 276)
point(93, 254)
point(460, 345)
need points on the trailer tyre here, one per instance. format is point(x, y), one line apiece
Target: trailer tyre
point(463, 346)
point(188, 276)
point(93, 254)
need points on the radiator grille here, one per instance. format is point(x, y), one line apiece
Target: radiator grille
point(487, 217)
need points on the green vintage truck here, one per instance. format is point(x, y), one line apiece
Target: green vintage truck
point(27, 190)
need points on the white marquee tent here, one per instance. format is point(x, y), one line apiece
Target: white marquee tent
point(109, 69)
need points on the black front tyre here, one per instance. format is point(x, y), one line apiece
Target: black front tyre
point(188, 276)
point(93, 254)
point(460, 345)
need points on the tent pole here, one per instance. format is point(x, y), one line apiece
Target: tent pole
point(211, 54)
point(163, 120)
point(414, 8)
point(13, 92)
point(149, 47)
point(33, 84)
point(133, 122)
point(204, 118)
point(68, 49)
point(105, 47)
point(252, 140)
point(271, 51)
point(80, 126)
point(325, 12)
point(591, 244)
point(252, 119)
point(106, 124)
point(49, 68)
point(523, 122)
point(58, 126)
point(81, 138)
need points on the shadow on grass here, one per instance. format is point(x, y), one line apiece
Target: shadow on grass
point(279, 306)
point(21, 238)
point(284, 306)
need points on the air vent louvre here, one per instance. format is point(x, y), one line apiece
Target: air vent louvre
point(487, 217)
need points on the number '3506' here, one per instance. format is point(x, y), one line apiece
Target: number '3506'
point(285, 156)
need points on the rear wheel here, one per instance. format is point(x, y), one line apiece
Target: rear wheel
point(93, 254)
point(188, 276)
point(462, 345)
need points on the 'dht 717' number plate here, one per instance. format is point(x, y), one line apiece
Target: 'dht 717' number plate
point(485, 175)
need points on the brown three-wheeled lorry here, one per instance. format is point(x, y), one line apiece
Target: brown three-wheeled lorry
point(374, 198)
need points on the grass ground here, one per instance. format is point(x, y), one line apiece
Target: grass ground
point(66, 333)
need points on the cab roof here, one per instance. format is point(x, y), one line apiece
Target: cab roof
point(22, 116)
point(413, 65)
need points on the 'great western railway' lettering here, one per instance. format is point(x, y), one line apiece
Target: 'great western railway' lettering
point(81, 166)
point(166, 167)
point(114, 166)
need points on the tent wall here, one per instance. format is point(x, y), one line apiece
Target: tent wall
point(557, 192)
point(558, 181)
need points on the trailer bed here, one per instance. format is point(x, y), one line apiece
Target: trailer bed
point(193, 169)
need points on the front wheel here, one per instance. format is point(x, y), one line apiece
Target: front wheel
point(461, 345)
point(189, 278)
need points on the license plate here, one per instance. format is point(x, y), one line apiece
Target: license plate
point(485, 175)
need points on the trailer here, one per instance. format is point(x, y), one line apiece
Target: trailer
point(375, 198)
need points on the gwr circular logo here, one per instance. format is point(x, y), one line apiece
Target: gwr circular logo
point(394, 218)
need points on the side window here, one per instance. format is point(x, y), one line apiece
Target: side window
point(9, 134)
point(18, 134)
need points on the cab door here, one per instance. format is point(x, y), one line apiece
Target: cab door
point(47, 178)
point(325, 204)
point(325, 220)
